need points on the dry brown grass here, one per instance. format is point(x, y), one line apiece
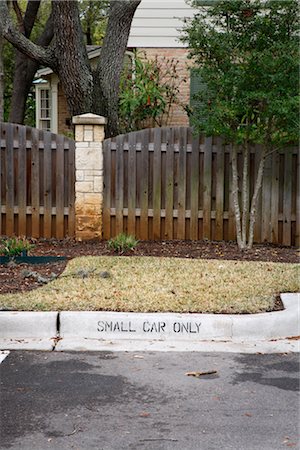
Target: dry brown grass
point(161, 284)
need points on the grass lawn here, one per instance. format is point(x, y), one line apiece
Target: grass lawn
point(160, 284)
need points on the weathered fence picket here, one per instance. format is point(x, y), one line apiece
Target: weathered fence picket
point(179, 187)
point(169, 195)
point(158, 184)
point(36, 183)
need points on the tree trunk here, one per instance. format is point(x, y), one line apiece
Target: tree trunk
point(21, 88)
point(109, 70)
point(73, 67)
point(235, 197)
point(26, 68)
point(257, 188)
point(88, 35)
point(245, 192)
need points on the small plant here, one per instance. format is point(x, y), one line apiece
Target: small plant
point(122, 243)
point(15, 247)
point(149, 90)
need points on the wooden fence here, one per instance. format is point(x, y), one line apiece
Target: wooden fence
point(167, 184)
point(158, 184)
point(36, 183)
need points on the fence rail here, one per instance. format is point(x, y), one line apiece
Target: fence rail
point(164, 183)
point(37, 178)
point(161, 183)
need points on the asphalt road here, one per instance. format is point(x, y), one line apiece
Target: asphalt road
point(112, 401)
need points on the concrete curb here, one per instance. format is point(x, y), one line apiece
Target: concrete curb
point(81, 330)
point(28, 330)
point(263, 346)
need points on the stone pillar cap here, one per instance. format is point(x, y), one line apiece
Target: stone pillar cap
point(89, 119)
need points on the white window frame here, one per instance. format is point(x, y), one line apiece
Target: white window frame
point(51, 86)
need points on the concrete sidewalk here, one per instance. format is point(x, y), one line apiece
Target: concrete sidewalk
point(87, 331)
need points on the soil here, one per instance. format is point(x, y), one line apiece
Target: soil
point(14, 277)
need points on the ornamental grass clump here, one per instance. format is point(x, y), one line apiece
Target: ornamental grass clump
point(122, 243)
point(15, 247)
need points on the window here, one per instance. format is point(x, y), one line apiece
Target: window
point(46, 104)
point(45, 110)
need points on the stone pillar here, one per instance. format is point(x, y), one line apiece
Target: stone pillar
point(89, 137)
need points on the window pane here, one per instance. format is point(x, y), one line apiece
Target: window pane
point(45, 125)
point(45, 109)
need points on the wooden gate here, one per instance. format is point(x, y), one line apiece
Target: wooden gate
point(164, 183)
point(37, 183)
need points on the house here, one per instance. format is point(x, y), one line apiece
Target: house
point(155, 31)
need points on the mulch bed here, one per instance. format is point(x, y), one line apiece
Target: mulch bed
point(13, 279)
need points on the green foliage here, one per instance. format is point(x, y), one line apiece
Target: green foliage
point(246, 52)
point(93, 17)
point(15, 246)
point(122, 243)
point(29, 119)
point(8, 63)
point(69, 134)
point(148, 90)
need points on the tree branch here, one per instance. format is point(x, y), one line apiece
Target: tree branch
point(257, 188)
point(19, 16)
point(109, 69)
point(24, 45)
point(245, 191)
point(30, 16)
point(47, 35)
point(25, 68)
point(235, 197)
point(273, 151)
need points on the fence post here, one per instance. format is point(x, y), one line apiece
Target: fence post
point(89, 137)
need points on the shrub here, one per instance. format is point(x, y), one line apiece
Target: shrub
point(15, 247)
point(149, 89)
point(122, 243)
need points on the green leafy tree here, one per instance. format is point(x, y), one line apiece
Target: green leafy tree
point(246, 53)
point(93, 17)
point(149, 89)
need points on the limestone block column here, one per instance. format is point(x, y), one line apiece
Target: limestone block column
point(89, 137)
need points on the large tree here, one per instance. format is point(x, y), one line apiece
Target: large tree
point(246, 52)
point(86, 90)
point(25, 68)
